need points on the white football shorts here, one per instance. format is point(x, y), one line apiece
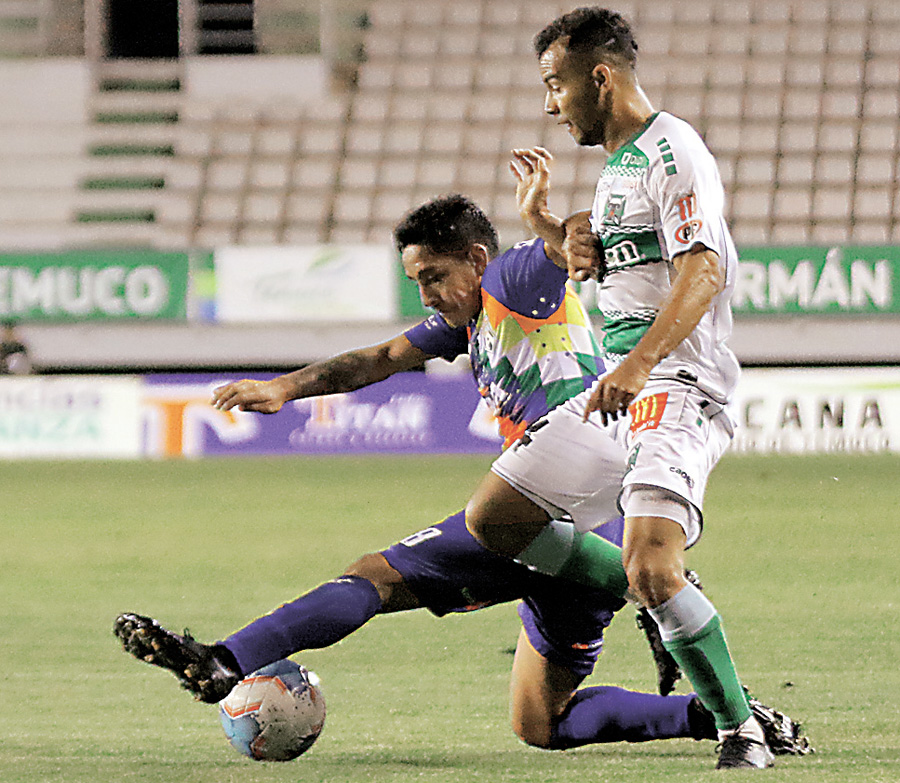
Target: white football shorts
point(672, 438)
point(567, 467)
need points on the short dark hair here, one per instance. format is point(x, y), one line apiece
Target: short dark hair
point(591, 28)
point(448, 224)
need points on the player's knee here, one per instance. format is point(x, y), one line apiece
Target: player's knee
point(476, 523)
point(653, 580)
point(374, 568)
point(654, 573)
point(536, 733)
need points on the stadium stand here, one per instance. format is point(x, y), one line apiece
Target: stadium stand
point(24, 27)
point(799, 100)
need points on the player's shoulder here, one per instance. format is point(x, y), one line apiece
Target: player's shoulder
point(531, 250)
point(515, 261)
point(666, 136)
point(676, 153)
point(521, 278)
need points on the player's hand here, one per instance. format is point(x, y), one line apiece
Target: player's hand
point(247, 395)
point(614, 392)
point(531, 168)
point(580, 249)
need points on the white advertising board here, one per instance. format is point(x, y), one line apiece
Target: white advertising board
point(305, 284)
point(794, 411)
point(67, 416)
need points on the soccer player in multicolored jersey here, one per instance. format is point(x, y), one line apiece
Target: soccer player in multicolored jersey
point(517, 320)
point(666, 268)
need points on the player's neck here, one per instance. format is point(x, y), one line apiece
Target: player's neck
point(632, 112)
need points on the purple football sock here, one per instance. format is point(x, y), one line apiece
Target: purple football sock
point(608, 714)
point(319, 618)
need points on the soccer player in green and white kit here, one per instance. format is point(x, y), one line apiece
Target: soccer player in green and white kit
point(667, 269)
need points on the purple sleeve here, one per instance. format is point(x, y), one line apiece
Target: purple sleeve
point(526, 281)
point(436, 337)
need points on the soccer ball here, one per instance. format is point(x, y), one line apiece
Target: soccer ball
point(275, 714)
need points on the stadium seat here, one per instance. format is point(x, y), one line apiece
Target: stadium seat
point(799, 101)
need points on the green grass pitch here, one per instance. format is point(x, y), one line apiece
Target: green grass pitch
point(800, 555)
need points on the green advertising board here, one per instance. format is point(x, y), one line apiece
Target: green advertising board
point(786, 280)
point(94, 285)
point(818, 280)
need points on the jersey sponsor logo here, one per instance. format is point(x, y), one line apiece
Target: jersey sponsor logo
point(687, 206)
point(687, 231)
point(485, 342)
point(623, 254)
point(647, 412)
point(615, 208)
point(690, 225)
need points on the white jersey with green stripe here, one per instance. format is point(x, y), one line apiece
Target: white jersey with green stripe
point(659, 195)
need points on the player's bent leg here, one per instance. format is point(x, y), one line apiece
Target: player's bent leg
point(548, 712)
point(319, 618)
point(539, 692)
point(561, 469)
point(392, 589)
point(502, 519)
point(508, 523)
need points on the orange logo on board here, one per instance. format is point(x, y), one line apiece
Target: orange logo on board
point(647, 412)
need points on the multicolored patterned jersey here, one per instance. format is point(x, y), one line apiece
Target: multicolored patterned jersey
point(659, 195)
point(531, 346)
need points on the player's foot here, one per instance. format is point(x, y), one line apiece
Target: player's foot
point(744, 747)
point(740, 752)
point(782, 734)
point(668, 672)
point(198, 667)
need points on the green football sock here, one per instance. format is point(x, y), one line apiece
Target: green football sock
point(560, 550)
point(704, 657)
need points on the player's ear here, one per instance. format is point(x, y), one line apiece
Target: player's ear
point(479, 256)
point(601, 75)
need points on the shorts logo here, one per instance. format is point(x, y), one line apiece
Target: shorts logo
point(687, 479)
point(647, 412)
point(632, 458)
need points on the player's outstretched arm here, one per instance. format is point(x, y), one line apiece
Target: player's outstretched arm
point(569, 243)
point(531, 168)
point(343, 373)
point(698, 281)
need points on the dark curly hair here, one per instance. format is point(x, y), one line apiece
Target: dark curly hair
point(591, 28)
point(449, 224)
